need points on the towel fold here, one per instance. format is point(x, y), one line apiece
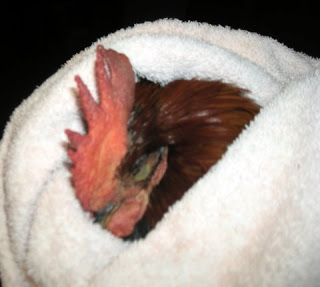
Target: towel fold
point(252, 220)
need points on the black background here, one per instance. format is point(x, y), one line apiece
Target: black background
point(39, 38)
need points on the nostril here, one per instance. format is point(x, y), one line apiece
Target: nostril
point(100, 215)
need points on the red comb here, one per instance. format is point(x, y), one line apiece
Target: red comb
point(97, 154)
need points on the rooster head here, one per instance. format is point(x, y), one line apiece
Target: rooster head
point(116, 197)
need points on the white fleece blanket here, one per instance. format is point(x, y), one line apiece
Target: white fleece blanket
point(252, 220)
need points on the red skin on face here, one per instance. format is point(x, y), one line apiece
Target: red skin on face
point(97, 154)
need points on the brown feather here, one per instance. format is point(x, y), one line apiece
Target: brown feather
point(196, 120)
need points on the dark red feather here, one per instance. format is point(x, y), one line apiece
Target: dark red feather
point(197, 120)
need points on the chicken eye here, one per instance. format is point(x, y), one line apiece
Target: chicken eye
point(145, 166)
point(143, 173)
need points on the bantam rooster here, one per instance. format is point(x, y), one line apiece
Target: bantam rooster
point(147, 144)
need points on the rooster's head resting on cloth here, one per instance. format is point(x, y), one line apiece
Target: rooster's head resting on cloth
point(146, 144)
